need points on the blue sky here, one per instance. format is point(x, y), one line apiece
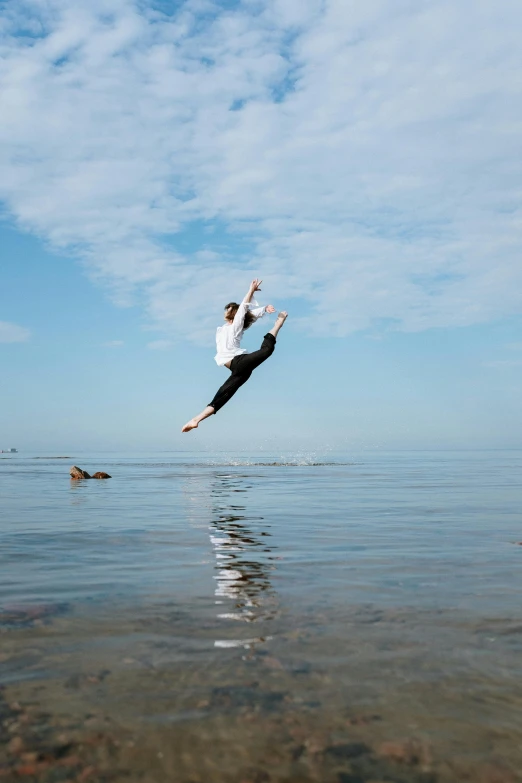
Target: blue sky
point(365, 161)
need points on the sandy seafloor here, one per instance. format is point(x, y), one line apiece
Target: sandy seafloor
point(216, 618)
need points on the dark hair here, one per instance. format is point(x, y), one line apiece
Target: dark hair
point(249, 318)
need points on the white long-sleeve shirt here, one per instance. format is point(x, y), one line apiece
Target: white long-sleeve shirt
point(228, 336)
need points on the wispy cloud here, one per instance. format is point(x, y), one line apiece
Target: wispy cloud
point(113, 344)
point(12, 333)
point(503, 363)
point(365, 157)
point(159, 345)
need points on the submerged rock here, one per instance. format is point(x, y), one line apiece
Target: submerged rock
point(100, 475)
point(29, 615)
point(413, 752)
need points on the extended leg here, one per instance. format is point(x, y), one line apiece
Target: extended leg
point(247, 362)
point(229, 388)
point(281, 318)
point(222, 396)
point(193, 423)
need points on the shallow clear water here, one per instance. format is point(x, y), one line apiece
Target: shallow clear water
point(346, 618)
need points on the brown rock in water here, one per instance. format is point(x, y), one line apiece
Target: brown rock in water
point(408, 751)
point(16, 745)
point(100, 475)
point(496, 774)
point(78, 473)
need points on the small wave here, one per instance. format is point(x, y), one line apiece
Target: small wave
point(229, 464)
point(288, 464)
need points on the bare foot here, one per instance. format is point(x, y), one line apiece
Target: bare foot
point(281, 318)
point(190, 425)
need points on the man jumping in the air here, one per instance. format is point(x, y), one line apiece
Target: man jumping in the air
point(238, 318)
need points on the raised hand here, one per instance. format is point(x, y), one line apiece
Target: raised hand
point(255, 285)
point(270, 309)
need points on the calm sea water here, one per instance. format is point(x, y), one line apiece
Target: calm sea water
point(211, 617)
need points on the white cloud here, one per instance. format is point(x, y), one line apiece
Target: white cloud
point(12, 333)
point(113, 344)
point(503, 363)
point(365, 157)
point(159, 345)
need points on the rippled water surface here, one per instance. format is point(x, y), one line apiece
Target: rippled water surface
point(208, 617)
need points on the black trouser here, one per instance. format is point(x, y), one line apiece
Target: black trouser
point(242, 367)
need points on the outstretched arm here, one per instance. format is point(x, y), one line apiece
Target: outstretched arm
point(255, 285)
point(239, 317)
point(258, 312)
